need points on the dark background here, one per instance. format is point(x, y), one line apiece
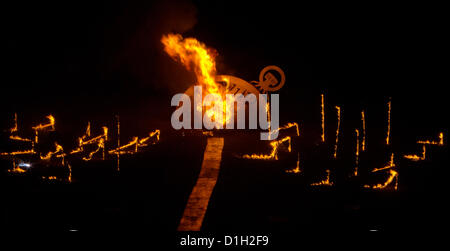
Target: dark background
point(100, 58)
point(88, 61)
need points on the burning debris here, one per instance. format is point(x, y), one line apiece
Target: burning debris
point(59, 152)
point(355, 173)
point(433, 142)
point(325, 182)
point(83, 141)
point(135, 144)
point(363, 142)
point(388, 134)
point(415, 157)
point(424, 143)
point(392, 175)
point(338, 110)
point(322, 106)
point(274, 154)
point(297, 168)
point(41, 127)
point(195, 56)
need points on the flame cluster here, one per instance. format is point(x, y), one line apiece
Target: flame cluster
point(274, 153)
point(83, 141)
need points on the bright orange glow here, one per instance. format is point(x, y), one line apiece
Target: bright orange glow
point(100, 146)
point(49, 177)
point(287, 126)
point(355, 173)
point(338, 110)
point(392, 175)
point(390, 165)
point(363, 143)
point(59, 150)
point(14, 129)
point(99, 140)
point(136, 143)
point(323, 117)
point(40, 127)
point(18, 138)
point(25, 152)
point(69, 178)
point(325, 182)
point(195, 56)
point(297, 168)
point(415, 157)
point(274, 153)
point(207, 133)
point(17, 169)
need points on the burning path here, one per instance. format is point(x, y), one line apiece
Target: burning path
point(198, 200)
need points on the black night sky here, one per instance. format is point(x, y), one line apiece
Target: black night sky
point(91, 60)
point(107, 54)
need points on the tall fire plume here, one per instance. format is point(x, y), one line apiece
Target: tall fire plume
point(195, 56)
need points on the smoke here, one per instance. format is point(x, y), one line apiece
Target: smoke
point(142, 57)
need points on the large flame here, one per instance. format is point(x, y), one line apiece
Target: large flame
point(195, 56)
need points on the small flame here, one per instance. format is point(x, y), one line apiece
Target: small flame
point(392, 175)
point(415, 157)
point(59, 150)
point(69, 178)
point(100, 140)
point(355, 173)
point(389, 123)
point(195, 56)
point(363, 143)
point(338, 110)
point(390, 165)
point(41, 127)
point(14, 129)
point(274, 153)
point(25, 152)
point(433, 142)
point(16, 169)
point(137, 143)
point(323, 117)
point(297, 168)
point(325, 182)
point(287, 126)
point(100, 146)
